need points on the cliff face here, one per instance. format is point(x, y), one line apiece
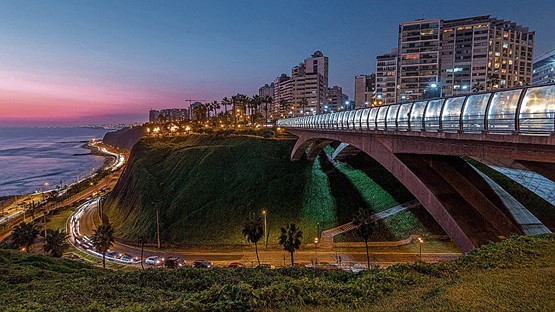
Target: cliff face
point(205, 187)
point(125, 138)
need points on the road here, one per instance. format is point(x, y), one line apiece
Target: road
point(382, 256)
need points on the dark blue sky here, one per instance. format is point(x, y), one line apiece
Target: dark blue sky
point(113, 60)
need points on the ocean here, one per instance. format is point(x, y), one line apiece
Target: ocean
point(34, 159)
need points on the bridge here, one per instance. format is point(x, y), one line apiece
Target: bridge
point(422, 144)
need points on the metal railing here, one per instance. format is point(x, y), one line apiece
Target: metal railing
point(527, 110)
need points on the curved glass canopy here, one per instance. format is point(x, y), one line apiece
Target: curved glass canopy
point(529, 110)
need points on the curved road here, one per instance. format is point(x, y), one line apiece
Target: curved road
point(384, 256)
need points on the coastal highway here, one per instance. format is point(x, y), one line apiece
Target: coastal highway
point(85, 220)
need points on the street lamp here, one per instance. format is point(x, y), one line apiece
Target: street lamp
point(436, 86)
point(316, 242)
point(265, 230)
point(420, 241)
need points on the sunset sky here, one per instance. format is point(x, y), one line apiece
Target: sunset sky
point(83, 62)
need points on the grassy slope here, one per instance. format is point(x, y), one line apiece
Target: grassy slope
point(515, 275)
point(207, 186)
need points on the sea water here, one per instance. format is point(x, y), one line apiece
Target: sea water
point(39, 159)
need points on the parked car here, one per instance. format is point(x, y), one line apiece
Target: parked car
point(235, 265)
point(111, 254)
point(174, 262)
point(202, 264)
point(153, 260)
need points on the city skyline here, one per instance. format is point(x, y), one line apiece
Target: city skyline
point(69, 63)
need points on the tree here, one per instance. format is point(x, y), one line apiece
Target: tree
point(364, 227)
point(215, 106)
point(290, 239)
point(226, 102)
point(253, 232)
point(24, 235)
point(492, 81)
point(55, 243)
point(266, 100)
point(256, 102)
point(477, 87)
point(142, 240)
point(103, 238)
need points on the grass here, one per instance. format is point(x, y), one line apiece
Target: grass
point(206, 185)
point(517, 274)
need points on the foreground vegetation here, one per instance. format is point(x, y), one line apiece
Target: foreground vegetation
point(517, 274)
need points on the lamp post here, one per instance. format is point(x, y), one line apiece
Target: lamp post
point(265, 230)
point(435, 85)
point(316, 242)
point(420, 241)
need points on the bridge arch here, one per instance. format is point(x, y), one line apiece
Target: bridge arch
point(449, 189)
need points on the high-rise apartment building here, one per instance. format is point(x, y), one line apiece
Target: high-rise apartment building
point(386, 78)
point(448, 57)
point(283, 96)
point(544, 69)
point(334, 99)
point(418, 58)
point(308, 81)
point(168, 115)
point(484, 53)
point(266, 90)
point(365, 88)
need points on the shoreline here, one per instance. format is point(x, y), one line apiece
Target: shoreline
point(109, 160)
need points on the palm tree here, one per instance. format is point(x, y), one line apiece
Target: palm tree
point(226, 102)
point(290, 238)
point(477, 87)
point(253, 232)
point(24, 235)
point(102, 238)
point(215, 106)
point(239, 103)
point(55, 243)
point(364, 227)
point(142, 240)
point(492, 80)
point(266, 100)
point(256, 102)
point(303, 103)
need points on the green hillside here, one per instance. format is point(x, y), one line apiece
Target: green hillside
point(206, 185)
point(517, 274)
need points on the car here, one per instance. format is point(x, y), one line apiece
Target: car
point(111, 254)
point(153, 260)
point(127, 258)
point(202, 264)
point(235, 265)
point(174, 262)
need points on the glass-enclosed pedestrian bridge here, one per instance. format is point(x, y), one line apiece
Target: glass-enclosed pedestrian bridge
point(528, 110)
